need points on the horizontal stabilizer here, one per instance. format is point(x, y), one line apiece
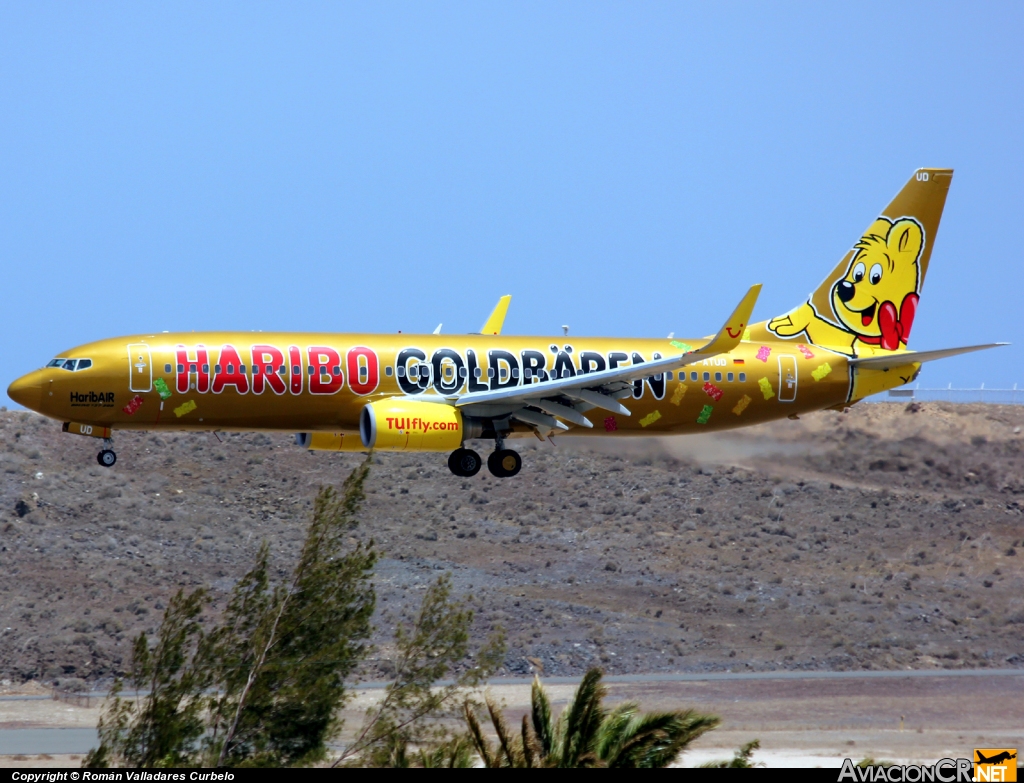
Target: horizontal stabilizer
point(904, 358)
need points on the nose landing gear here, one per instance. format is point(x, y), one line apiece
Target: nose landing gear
point(107, 457)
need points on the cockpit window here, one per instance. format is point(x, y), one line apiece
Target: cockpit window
point(71, 365)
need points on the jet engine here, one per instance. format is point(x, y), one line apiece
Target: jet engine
point(401, 424)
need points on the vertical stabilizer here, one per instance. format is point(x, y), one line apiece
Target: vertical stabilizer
point(868, 303)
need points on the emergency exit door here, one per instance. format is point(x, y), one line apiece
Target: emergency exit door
point(787, 378)
point(140, 368)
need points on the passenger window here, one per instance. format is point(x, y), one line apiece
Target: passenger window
point(241, 368)
point(669, 375)
point(311, 370)
point(336, 370)
point(503, 373)
point(515, 372)
point(388, 371)
point(231, 369)
point(282, 370)
point(296, 370)
point(707, 376)
point(167, 368)
point(206, 368)
point(490, 372)
point(718, 377)
point(729, 377)
point(401, 372)
point(657, 377)
point(363, 372)
point(463, 372)
point(693, 376)
point(181, 368)
point(216, 368)
point(476, 372)
point(743, 377)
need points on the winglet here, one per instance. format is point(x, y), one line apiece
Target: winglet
point(731, 333)
point(496, 319)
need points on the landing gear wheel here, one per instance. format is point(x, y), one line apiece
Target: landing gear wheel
point(504, 463)
point(464, 462)
point(106, 458)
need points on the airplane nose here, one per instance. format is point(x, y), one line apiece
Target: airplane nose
point(27, 391)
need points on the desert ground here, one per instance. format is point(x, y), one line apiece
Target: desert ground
point(880, 538)
point(887, 537)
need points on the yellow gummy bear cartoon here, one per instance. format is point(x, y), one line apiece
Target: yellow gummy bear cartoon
point(875, 301)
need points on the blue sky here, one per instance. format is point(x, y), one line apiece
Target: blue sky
point(624, 168)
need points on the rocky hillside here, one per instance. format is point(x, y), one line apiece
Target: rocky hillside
point(889, 536)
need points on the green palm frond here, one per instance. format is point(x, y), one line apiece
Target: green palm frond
point(655, 739)
point(583, 718)
point(542, 717)
point(476, 736)
point(506, 739)
point(531, 747)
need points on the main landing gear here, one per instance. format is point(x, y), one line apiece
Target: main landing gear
point(464, 462)
point(107, 457)
point(503, 463)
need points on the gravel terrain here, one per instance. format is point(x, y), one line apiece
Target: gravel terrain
point(886, 537)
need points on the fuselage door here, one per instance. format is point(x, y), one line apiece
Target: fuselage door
point(140, 368)
point(787, 378)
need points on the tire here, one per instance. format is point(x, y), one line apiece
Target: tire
point(464, 462)
point(505, 463)
point(106, 458)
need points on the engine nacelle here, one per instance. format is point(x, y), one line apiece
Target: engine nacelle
point(329, 441)
point(400, 424)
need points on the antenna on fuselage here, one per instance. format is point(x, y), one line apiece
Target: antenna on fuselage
point(565, 329)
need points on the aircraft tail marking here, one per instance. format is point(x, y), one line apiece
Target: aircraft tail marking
point(869, 301)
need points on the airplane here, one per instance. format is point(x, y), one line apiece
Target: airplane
point(996, 759)
point(438, 392)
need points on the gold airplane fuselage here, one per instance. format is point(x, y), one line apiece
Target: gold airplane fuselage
point(311, 382)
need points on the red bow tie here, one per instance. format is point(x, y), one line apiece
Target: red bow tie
point(895, 327)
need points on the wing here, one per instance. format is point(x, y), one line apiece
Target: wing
point(538, 403)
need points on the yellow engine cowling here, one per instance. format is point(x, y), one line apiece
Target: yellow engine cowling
point(400, 424)
point(329, 441)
